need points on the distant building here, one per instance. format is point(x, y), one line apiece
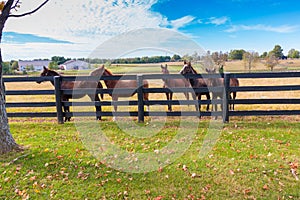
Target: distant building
point(33, 65)
point(74, 65)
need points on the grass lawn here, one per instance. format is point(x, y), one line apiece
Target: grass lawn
point(251, 160)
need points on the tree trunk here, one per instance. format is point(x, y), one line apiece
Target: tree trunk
point(7, 142)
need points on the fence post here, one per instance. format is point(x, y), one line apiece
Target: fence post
point(140, 98)
point(226, 97)
point(57, 84)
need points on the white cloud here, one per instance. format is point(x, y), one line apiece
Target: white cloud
point(88, 23)
point(218, 21)
point(82, 21)
point(181, 22)
point(261, 27)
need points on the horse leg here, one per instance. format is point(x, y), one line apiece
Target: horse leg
point(146, 98)
point(168, 98)
point(216, 105)
point(233, 97)
point(194, 98)
point(98, 108)
point(66, 109)
point(208, 98)
point(115, 98)
point(170, 104)
point(199, 98)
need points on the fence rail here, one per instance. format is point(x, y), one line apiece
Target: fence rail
point(140, 103)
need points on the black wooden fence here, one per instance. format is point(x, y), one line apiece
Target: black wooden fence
point(140, 103)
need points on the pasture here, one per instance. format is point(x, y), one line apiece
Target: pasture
point(253, 157)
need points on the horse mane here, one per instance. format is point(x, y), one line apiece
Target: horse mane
point(109, 72)
point(54, 72)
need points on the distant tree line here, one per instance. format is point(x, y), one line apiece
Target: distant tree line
point(136, 60)
point(250, 59)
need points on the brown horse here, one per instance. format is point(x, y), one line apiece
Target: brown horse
point(112, 84)
point(173, 83)
point(196, 83)
point(214, 82)
point(75, 85)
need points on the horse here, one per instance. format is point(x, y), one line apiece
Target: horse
point(112, 84)
point(196, 83)
point(173, 83)
point(234, 82)
point(74, 85)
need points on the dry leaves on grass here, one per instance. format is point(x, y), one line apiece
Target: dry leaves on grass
point(293, 168)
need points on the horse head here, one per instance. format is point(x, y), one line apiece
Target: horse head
point(47, 72)
point(164, 69)
point(188, 69)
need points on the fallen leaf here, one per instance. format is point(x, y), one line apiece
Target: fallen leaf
point(158, 198)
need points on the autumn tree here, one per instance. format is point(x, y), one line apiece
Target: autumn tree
point(7, 9)
point(219, 58)
point(271, 61)
point(250, 59)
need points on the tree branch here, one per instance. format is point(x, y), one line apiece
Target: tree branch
point(31, 12)
point(16, 4)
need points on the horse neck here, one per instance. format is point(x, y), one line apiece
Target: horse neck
point(53, 74)
point(216, 81)
point(109, 83)
point(165, 79)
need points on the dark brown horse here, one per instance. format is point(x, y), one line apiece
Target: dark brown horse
point(196, 83)
point(214, 82)
point(112, 84)
point(173, 83)
point(75, 85)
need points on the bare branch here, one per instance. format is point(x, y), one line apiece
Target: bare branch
point(16, 5)
point(31, 12)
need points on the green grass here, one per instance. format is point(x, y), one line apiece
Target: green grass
point(249, 161)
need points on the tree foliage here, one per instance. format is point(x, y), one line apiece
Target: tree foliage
point(250, 59)
point(271, 61)
point(236, 54)
point(277, 52)
point(293, 53)
point(219, 58)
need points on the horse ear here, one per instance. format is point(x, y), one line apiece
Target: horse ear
point(161, 66)
point(45, 68)
point(207, 70)
point(213, 70)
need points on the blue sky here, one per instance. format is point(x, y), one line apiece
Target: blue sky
point(75, 28)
